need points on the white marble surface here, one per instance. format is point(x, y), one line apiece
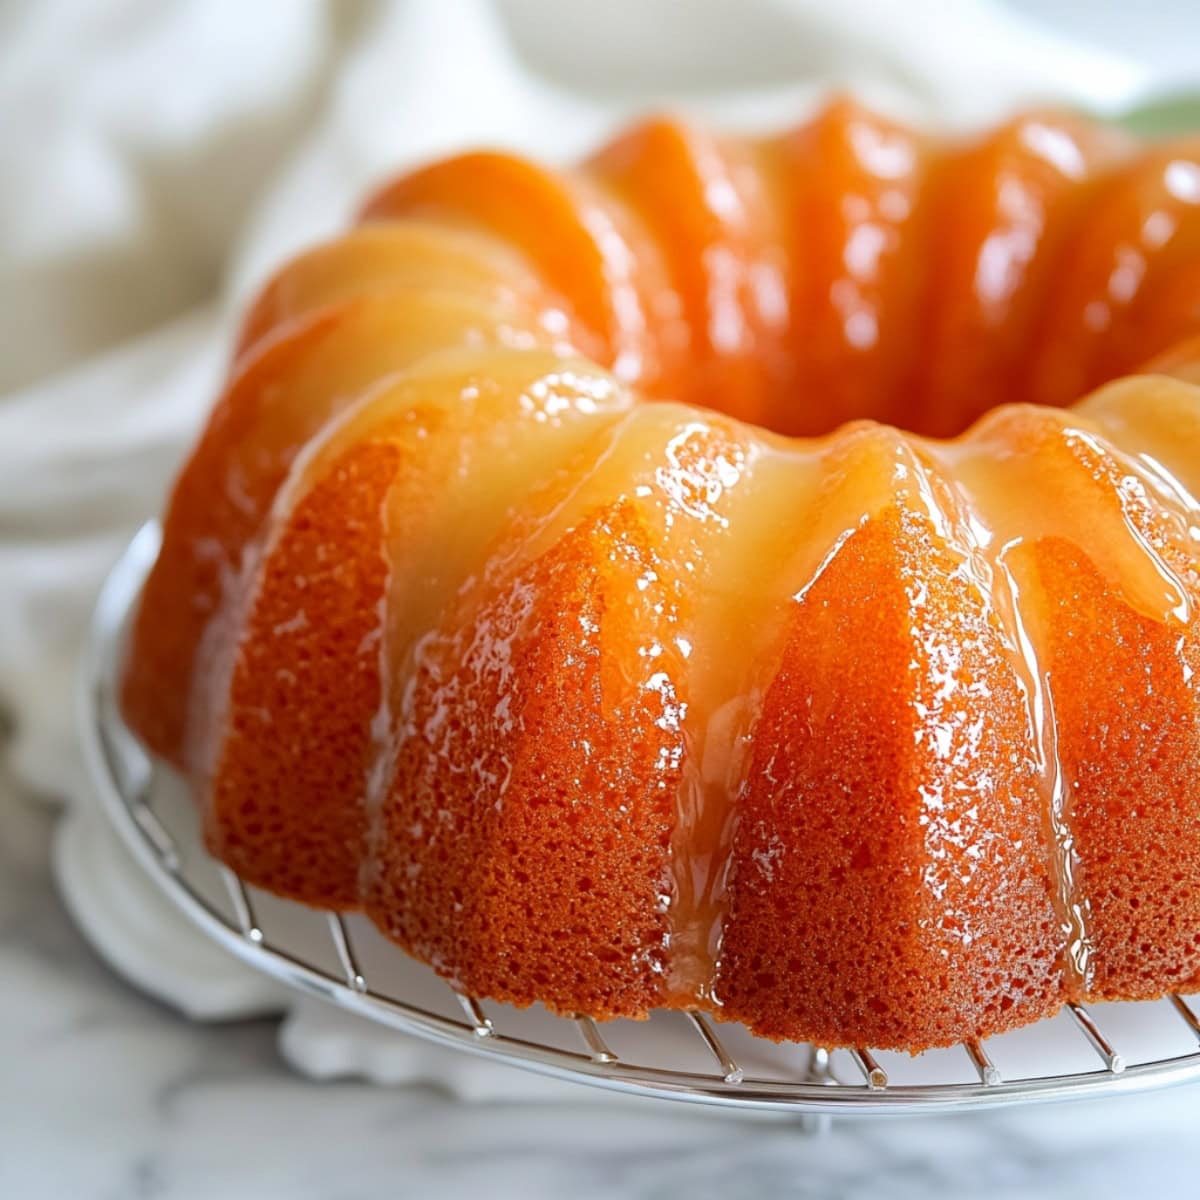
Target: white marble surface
point(106, 1094)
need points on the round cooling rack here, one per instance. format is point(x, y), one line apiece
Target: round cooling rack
point(1103, 1049)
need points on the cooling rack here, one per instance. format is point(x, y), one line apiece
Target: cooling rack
point(1101, 1049)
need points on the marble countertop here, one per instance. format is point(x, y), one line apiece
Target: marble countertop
point(106, 1094)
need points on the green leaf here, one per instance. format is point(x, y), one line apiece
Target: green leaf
point(1167, 116)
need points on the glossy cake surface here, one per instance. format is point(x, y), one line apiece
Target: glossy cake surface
point(751, 575)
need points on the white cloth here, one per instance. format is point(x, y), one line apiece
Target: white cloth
point(156, 160)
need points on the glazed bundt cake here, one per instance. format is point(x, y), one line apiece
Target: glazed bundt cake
point(679, 582)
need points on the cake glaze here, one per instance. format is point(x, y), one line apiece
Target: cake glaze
point(678, 582)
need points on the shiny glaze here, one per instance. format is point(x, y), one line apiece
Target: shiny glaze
point(553, 580)
point(848, 190)
point(851, 268)
point(1117, 300)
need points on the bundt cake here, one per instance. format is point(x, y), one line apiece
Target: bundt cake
point(679, 582)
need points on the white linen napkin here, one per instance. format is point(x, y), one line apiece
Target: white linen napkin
point(156, 161)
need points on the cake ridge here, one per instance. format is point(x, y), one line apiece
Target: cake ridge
point(543, 213)
point(1007, 595)
point(889, 836)
point(700, 199)
point(547, 378)
point(380, 259)
point(1135, 221)
point(1025, 610)
point(280, 393)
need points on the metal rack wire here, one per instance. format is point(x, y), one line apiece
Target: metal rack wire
point(731, 1068)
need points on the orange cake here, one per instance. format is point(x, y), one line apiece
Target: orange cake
point(696, 580)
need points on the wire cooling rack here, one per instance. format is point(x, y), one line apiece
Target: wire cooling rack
point(1106, 1048)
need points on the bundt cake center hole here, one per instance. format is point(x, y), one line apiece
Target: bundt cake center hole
point(798, 413)
point(920, 408)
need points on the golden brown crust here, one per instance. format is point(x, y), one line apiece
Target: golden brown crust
point(891, 881)
point(522, 845)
